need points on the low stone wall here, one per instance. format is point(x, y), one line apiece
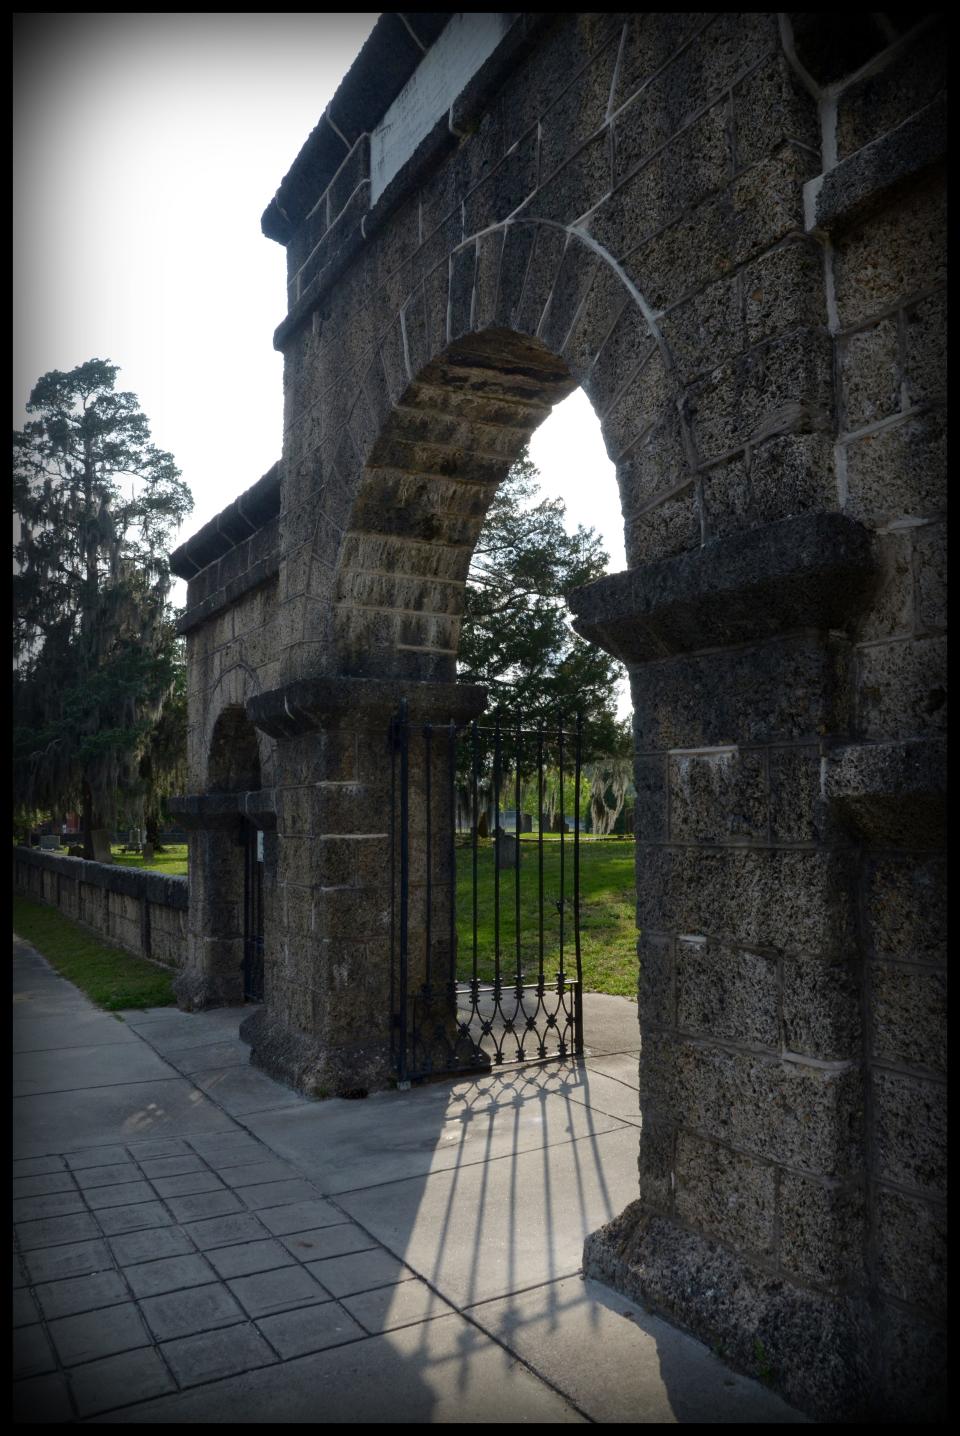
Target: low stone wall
point(144, 912)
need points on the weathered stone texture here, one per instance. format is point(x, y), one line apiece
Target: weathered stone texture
point(653, 207)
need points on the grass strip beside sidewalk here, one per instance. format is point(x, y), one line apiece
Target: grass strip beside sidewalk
point(109, 976)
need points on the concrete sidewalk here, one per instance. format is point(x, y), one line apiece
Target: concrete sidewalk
point(196, 1243)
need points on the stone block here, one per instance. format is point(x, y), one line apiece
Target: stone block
point(784, 290)
point(821, 1008)
point(930, 558)
point(606, 299)
point(463, 263)
point(656, 1165)
point(925, 359)
point(905, 908)
point(912, 1251)
point(652, 39)
point(627, 347)
point(793, 901)
point(705, 329)
point(767, 200)
point(658, 462)
point(580, 110)
point(771, 106)
point(784, 691)
point(910, 1131)
point(518, 244)
point(891, 93)
point(870, 374)
point(540, 278)
point(777, 1111)
point(909, 1007)
point(489, 247)
point(891, 612)
point(718, 797)
point(890, 257)
point(784, 385)
point(576, 273)
point(505, 188)
point(903, 689)
point(650, 781)
point(724, 1194)
point(670, 527)
point(656, 985)
point(795, 815)
point(727, 992)
point(822, 1230)
point(640, 403)
point(675, 179)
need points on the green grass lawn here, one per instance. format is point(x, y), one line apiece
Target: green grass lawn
point(608, 944)
point(172, 861)
point(110, 977)
point(608, 897)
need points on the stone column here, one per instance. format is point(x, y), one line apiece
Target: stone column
point(327, 1023)
point(213, 973)
point(749, 1228)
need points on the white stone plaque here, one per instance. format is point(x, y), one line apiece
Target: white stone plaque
point(454, 58)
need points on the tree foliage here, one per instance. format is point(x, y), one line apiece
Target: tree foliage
point(96, 658)
point(515, 636)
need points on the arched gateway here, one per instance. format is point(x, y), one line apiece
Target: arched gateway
point(728, 230)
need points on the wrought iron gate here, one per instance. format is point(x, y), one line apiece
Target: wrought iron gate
point(485, 923)
point(252, 912)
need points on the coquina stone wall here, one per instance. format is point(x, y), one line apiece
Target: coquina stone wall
point(728, 229)
point(144, 912)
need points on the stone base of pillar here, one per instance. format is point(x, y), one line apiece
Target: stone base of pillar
point(196, 991)
point(834, 1357)
point(313, 1066)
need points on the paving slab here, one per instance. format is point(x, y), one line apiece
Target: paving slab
point(623, 1066)
point(204, 1358)
point(171, 1273)
point(240, 1090)
point(31, 1352)
point(619, 1364)
point(249, 1257)
point(151, 1244)
point(610, 1024)
point(104, 1065)
point(56, 1263)
point(185, 1313)
point(487, 1230)
point(216, 1055)
point(391, 1307)
point(81, 1293)
point(48, 1123)
point(268, 1292)
point(359, 1271)
point(101, 1385)
point(42, 1399)
point(24, 1310)
point(442, 1372)
point(310, 1328)
point(340, 1144)
point(93, 1334)
point(85, 1029)
point(290, 1261)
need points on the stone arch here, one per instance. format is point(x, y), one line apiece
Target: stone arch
point(233, 751)
point(529, 310)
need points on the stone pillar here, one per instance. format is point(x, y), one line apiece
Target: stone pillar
point(327, 1024)
point(749, 1228)
point(213, 973)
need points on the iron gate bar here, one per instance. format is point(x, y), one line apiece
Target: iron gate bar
point(433, 1032)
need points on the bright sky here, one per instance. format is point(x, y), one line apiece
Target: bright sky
point(146, 148)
